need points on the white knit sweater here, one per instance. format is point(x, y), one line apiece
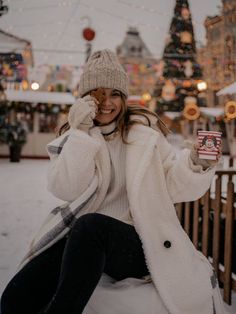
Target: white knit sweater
point(116, 203)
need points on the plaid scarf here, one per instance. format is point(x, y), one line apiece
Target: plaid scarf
point(61, 218)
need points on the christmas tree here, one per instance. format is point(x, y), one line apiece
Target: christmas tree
point(181, 73)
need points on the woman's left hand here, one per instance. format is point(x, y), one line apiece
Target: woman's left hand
point(205, 163)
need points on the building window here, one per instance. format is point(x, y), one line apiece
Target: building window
point(132, 49)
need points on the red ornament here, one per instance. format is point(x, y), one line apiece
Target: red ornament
point(88, 34)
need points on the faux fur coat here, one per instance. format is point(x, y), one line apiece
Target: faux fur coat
point(183, 281)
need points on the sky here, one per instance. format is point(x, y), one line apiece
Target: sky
point(54, 27)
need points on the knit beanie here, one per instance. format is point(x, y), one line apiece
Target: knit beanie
point(103, 70)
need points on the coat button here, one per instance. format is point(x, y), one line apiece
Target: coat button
point(167, 244)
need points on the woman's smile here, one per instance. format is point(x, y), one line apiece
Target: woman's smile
point(105, 111)
point(110, 108)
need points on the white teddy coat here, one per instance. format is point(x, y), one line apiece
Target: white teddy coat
point(155, 180)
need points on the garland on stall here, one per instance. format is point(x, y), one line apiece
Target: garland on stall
point(27, 108)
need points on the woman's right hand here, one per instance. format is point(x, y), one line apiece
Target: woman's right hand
point(82, 113)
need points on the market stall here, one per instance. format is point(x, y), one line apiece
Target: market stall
point(40, 113)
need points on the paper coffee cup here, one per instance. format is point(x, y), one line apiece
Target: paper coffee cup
point(210, 143)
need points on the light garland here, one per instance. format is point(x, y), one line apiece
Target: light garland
point(142, 7)
point(62, 4)
point(47, 50)
point(71, 16)
point(75, 2)
point(151, 10)
point(127, 19)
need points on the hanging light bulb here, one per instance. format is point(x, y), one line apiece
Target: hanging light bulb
point(35, 86)
point(146, 97)
point(201, 86)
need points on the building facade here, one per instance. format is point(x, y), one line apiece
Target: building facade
point(138, 62)
point(218, 57)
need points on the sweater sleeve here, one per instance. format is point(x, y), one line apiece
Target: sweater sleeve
point(72, 165)
point(185, 181)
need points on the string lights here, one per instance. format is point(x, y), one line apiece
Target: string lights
point(72, 3)
point(47, 50)
point(122, 17)
point(151, 10)
point(98, 9)
point(24, 7)
point(61, 4)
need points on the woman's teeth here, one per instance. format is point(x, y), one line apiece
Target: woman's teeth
point(105, 111)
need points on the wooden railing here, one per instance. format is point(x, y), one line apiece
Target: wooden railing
point(210, 223)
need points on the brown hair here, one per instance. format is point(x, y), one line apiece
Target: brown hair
point(124, 121)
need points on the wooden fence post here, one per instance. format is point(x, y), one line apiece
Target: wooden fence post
point(228, 241)
point(187, 217)
point(218, 206)
point(216, 225)
point(205, 223)
point(196, 222)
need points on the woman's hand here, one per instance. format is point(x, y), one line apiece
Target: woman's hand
point(205, 163)
point(82, 113)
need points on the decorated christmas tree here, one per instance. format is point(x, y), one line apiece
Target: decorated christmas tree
point(181, 73)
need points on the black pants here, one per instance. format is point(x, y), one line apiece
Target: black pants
point(61, 279)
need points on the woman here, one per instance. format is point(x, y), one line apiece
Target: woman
point(120, 178)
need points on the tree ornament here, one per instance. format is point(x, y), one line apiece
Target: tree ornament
point(188, 68)
point(191, 110)
point(168, 91)
point(88, 34)
point(190, 100)
point(230, 110)
point(179, 50)
point(186, 37)
point(186, 83)
point(185, 14)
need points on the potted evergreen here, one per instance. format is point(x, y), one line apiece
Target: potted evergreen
point(14, 135)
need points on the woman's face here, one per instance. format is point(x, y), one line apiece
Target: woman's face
point(110, 108)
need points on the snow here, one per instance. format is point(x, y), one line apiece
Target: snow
point(39, 96)
point(228, 90)
point(24, 204)
point(214, 112)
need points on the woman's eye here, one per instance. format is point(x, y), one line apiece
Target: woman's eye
point(115, 94)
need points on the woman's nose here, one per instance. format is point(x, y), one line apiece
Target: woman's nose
point(107, 100)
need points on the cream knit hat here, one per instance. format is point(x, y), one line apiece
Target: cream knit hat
point(103, 70)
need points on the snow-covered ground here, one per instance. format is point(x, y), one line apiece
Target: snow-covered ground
point(24, 204)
